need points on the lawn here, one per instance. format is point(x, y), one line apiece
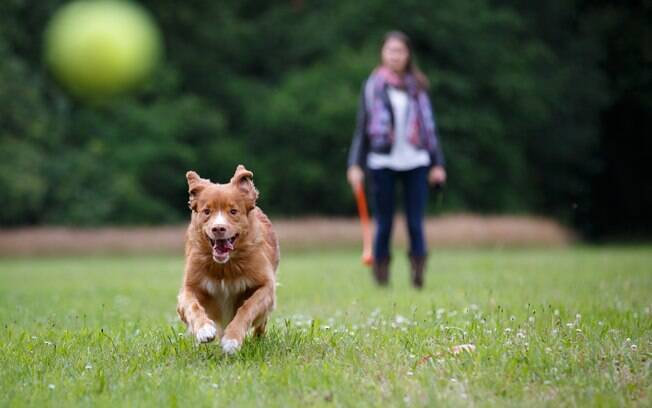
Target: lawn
point(551, 327)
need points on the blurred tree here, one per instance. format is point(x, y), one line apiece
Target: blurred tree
point(29, 133)
point(622, 193)
point(518, 91)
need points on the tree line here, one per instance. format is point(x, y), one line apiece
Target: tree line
point(539, 107)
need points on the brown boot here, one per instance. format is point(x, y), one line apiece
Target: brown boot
point(417, 268)
point(381, 271)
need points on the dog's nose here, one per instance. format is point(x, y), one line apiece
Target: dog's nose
point(219, 229)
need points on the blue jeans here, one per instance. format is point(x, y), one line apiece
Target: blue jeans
point(415, 196)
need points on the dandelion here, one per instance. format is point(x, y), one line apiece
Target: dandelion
point(556, 312)
point(401, 320)
point(633, 347)
point(51, 386)
point(410, 373)
point(531, 319)
point(508, 330)
point(88, 367)
point(214, 385)
point(469, 348)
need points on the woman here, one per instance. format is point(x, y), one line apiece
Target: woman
point(396, 140)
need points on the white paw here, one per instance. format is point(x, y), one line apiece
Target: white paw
point(230, 346)
point(206, 333)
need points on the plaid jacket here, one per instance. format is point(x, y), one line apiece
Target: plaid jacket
point(360, 145)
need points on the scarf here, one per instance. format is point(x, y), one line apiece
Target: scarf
point(421, 129)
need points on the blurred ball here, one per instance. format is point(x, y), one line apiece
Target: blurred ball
point(100, 48)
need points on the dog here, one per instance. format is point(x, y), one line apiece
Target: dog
point(232, 256)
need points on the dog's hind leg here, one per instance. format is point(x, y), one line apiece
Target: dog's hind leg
point(260, 326)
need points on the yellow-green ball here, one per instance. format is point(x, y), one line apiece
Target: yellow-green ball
point(100, 48)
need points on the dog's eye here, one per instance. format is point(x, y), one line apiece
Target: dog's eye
point(207, 211)
point(234, 211)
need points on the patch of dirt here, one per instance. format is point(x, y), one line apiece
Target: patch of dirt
point(462, 230)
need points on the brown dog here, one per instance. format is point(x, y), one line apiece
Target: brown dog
point(231, 259)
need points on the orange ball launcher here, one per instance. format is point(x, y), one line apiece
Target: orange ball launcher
point(367, 256)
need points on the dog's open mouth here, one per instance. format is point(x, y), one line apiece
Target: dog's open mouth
point(222, 247)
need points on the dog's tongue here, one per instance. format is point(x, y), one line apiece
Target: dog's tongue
point(223, 245)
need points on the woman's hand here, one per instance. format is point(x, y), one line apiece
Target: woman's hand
point(355, 176)
point(437, 176)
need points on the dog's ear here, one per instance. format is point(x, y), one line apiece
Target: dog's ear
point(243, 180)
point(195, 185)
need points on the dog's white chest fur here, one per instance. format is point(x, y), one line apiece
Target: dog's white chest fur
point(225, 294)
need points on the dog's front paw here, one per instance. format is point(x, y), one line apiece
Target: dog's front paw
point(206, 333)
point(230, 346)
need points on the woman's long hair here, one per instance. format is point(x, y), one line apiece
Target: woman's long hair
point(412, 66)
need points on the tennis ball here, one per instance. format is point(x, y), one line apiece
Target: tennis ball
point(101, 48)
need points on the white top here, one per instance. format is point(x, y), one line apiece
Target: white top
point(403, 156)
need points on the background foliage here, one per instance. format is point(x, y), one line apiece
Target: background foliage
point(541, 108)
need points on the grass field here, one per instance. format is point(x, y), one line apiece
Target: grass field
point(556, 326)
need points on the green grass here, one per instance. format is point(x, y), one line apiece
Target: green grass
point(569, 327)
